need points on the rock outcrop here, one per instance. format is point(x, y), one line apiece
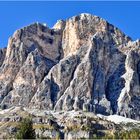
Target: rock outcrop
point(2, 55)
point(83, 63)
point(57, 125)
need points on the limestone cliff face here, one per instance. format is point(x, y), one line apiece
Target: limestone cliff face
point(2, 55)
point(31, 53)
point(83, 63)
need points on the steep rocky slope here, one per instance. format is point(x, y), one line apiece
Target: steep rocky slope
point(83, 63)
point(66, 125)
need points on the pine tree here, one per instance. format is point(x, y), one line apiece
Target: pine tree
point(26, 130)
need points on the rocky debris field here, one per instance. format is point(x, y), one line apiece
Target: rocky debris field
point(65, 125)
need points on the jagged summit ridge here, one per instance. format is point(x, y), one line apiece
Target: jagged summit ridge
point(83, 63)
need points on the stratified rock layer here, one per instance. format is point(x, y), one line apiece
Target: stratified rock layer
point(83, 63)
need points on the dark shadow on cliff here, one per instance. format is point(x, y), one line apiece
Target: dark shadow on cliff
point(107, 82)
point(54, 90)
point(114, 86)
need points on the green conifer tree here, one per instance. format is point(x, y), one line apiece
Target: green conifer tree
point(26, 130)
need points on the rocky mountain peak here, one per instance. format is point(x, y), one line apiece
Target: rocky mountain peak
point(83, 63)
point(80, 30)
point(60, 25)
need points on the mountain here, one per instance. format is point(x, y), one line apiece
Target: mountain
point(79, 79)
point(83, 63)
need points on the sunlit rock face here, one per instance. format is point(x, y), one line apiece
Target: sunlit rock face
point(31, 53)
point(83, 63)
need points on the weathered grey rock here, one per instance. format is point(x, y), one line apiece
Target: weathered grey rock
point(61, 125)
point(83, 63)
point(12, 130)
point(77, 135)
point(31, 52)
point(129, 99)
point(2, 55)
point(54, 84)
point(93, 75)
point(60, 25)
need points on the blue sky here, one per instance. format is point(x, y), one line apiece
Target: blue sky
point(14, 15)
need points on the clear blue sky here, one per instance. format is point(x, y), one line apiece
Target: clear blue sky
point(14, 15)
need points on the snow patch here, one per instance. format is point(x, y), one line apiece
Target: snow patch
point(44, 24)
point(117, 119)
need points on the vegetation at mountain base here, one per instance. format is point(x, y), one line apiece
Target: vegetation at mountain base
point(26, 130)
point(125, 135)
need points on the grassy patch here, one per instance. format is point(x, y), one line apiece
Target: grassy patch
point(43, 126)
